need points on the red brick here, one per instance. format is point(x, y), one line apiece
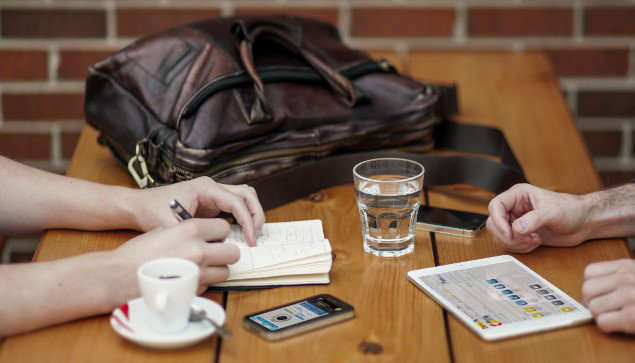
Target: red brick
point(529, 21)
point(614, 178)
point(43, 106)
point(589, 62)
point(69, 141)
point(139, 22)
point(23, 65)
point(613, 20)
point(74, 63)
point(402, 22)
point(328, 15)
point(603, 143)
point(42, 23)
point(606, 103)
point(25, 146)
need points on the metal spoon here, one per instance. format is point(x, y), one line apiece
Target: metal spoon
point(197, 314)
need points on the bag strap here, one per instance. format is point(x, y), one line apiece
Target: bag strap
point(341, 86)
point(300, 181)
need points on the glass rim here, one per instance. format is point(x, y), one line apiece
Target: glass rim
point(356, 174)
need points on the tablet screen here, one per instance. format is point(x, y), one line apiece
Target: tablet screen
point(498, 294)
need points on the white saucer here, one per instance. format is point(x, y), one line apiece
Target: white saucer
point(130, 321)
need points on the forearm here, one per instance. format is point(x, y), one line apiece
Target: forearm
point(32, 200)
point(611, 212)
point(40, 294)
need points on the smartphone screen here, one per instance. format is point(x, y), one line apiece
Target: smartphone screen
point(294, 314)
point(450, 221)
point(299, 316)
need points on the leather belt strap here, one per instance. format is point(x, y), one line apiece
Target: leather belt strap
point(300, 181)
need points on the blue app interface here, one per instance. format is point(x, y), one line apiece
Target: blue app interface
point(498, 294)
point(289, 315)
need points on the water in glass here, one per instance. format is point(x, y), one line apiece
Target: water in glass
point(388, 214)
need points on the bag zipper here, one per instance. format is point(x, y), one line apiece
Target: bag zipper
point(180, 173)
point(242, 79)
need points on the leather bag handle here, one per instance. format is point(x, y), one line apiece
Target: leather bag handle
point(338, 83)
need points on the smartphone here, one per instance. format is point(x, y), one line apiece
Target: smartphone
point(449, 221)
point(298, 317)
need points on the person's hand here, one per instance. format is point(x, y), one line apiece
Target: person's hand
point(525, 217)
point(609, 292)
point(188, 240)
point(202, 197)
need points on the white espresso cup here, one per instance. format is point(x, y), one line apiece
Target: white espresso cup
point(168, 286)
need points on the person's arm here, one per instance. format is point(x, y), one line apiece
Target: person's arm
point(611, 212)
point(32, 200)
point(38, 294)
point(525, 216)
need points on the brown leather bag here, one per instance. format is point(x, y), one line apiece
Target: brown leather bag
point(278, 102)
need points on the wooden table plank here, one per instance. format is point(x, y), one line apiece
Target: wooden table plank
point(389, 311)
point(518, 95)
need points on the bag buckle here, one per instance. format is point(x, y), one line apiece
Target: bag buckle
point(144, 180)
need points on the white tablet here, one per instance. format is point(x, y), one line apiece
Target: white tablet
point(499, 297)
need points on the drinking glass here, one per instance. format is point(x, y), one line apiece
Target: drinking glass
point(388, 196)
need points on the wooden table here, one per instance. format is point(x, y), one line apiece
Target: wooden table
point(395, 321)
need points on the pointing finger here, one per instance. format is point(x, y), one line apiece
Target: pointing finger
point(250, 196)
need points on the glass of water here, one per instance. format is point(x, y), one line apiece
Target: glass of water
point(388, 197)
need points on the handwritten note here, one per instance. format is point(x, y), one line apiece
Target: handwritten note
point(279, 243)
point(281, 233)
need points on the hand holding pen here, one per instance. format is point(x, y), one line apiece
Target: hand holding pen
point(182, 214)
point(203, 198)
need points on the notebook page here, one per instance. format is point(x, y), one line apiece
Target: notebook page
point(313, 268)
point(280, 280)
point(305, 261)
point(276, 254)
point(281, 233)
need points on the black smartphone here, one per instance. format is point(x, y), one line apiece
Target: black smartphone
point(449, 221)
point(298, 317)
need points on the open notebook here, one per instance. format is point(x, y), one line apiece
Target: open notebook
point(287, 253)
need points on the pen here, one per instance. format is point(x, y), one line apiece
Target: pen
point(180, 213)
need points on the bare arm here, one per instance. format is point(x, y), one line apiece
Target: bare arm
point(525, 216)
point(45, 293)
point(612, 212)
point(32, 200)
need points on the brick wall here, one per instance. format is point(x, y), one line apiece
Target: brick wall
point(47, 45)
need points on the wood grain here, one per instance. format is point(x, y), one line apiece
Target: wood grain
point(517, 94)
point(389, 309)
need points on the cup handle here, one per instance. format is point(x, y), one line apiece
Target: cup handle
point(161, 301)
